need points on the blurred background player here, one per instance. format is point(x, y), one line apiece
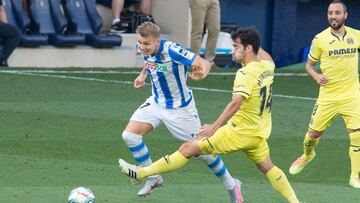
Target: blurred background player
point(337, 49)
point(171, 103)
point(205, 13)
point(244, 125)
point(9, 34)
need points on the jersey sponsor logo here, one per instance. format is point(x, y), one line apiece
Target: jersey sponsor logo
point(157, 66)
point(342, 51)
point(350, 40)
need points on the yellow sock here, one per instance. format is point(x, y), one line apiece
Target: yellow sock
point(281, 184)
point(354, 153)
point(309, 146)
point(165, 164)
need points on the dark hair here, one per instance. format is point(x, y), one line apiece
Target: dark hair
point(339, 2)
point(247, 36)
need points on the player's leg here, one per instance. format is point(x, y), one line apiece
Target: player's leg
point(321, 118)
point(133, 137)
point(184, 124)
point(143, 120)
point(278, 179)
point(350, 112)
point(165, 164)
point(219, 169)
point(181, 157)
point(354, 153)
point(261, 156)
point(223, 141)
point(311, 140)
point(186, 151)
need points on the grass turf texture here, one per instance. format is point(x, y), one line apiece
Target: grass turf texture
point(61, 133)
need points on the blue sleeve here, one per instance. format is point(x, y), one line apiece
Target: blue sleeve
point(181, 55)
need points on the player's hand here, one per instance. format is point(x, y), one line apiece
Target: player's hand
point(197, 73)
point(139, 82)
point(321, 79)
point(206, 131)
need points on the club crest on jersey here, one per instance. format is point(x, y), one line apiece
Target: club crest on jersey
point(157, 67)
point(350, 40)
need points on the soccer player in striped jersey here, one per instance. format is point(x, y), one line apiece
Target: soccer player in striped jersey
point(244, 125)
point(337, 49)
point(172, 103)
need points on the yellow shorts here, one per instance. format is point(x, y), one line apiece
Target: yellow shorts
point(324, 113)
point(226, 140)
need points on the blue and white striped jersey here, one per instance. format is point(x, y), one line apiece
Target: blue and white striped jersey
point(168, 73)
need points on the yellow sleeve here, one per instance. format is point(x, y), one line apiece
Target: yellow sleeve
point(358, 37)
point(315, 51)
point(243, 84)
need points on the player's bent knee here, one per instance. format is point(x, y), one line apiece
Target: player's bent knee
point(265, 165)
point(125, 135)
point(131, 138)
point(190, 149)
point(315, 134)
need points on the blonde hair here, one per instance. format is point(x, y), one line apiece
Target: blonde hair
point(148, 29)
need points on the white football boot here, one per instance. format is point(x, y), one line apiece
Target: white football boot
point(150, 184)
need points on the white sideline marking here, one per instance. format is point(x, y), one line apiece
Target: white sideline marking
point(131, 83)
point(124, 72)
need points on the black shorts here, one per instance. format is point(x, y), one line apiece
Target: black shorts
point(107, 3)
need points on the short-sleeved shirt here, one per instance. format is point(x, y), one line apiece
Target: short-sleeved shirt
point(167, 70)
point(339, 61)
point(254, 82)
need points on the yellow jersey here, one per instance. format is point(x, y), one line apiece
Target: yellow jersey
point(339, 61)
point(254, 82)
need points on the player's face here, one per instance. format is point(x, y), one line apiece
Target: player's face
point(336, 16)
point(148, 45)
point(239, 51)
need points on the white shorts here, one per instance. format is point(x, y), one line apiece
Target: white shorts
point(183, 123)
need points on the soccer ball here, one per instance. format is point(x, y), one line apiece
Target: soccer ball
point(81, 195)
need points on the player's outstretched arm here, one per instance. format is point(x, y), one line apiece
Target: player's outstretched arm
point(263, 55)
point(139, 81)
point(200, 68)
point(208, 130)
point(310, 69)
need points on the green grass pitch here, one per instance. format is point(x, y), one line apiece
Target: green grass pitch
point(61, 129)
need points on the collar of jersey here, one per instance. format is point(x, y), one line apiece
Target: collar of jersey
point(337, 36)
point(161, 48)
